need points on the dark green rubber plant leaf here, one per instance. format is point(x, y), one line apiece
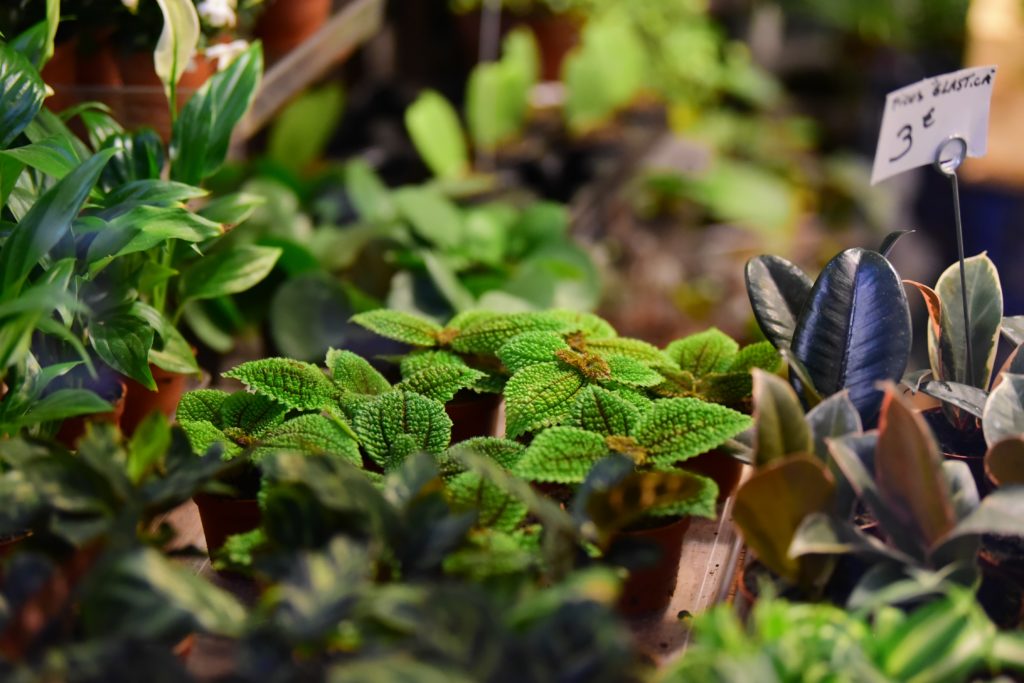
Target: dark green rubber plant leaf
point(777, 290)
point(292, 383)
point(890, 241)
point(773, 503)
point(948, 350)
point(834, 417)
point(123, 342)
point(23, 93)
point(397, 424)
point(855, 329)
point(779, 426)
point(46, 223)
point(1004, 410)
point(963, 396)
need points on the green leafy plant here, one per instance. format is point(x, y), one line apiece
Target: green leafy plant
point(950, 639)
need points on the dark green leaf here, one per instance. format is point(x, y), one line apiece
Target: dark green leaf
point(777, 291)
point(780, 429)
point(228, 272)
point(890, 241)
point(123, 342)
point(963, 396)
point(23, 92)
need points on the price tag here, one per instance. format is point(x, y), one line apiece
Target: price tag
point(919, 117)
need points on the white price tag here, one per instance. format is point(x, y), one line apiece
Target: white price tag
point(919, 117)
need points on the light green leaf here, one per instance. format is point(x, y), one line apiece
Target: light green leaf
point(433, 217)
point(298, 385)
point(394, 425)
point(148, 446)
point(441, 382)
point(355, 374)
point(530, 348)
point(561, 455)
point(435, 130)
point(539, 396)
point(487, 335)
point(253, 414)
point(202, 404)
point(703, 353)
point(632, 372)
point(313, 435)
point(604, 412)
point(302, 129)
point(421, 360)
point(496, 508)
point(676, 429)
point(404, 327)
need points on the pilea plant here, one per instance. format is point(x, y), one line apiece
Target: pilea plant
point(711, 365)
point(658, 437)
point(850, 329)
point(297, 406)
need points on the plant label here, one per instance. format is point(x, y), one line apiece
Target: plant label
point(920, 117)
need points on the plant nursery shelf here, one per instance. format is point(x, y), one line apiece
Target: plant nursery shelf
point(352, 25)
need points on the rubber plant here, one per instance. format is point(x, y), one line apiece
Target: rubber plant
point(850, 329)
point(794, 476)
point(927, 509)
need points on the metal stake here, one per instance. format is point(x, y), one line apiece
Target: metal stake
point(948, 167)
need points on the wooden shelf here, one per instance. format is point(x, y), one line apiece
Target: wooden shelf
point(352, 25)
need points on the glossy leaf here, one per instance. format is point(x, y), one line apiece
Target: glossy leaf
point(963, 396)
point(774, 502)
point(139, 156)
point(1004, 462)
point(23, 92)
point(1004, 410)
point(855, 329)
point(123, 342)
point(228, 272)
point(202, 132)
point(890, 241)
point(52, 156)
point(1013, 328)
point(779, 426)
point(177, 42)
point(46, 223)
point(62, 404)
point(777, 291)
point(908, 470)
point(834, 417)
point(985, 303)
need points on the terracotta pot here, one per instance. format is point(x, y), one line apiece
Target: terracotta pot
point(223, 516)
point(73, 428)
point(724, 469)
point(61, 74)
point(170, 386)
point(184, 647)
point(650, 589)
point(286, 24)
point(144, 100)
point(473, 415)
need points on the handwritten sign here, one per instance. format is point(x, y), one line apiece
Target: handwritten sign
point(919, 117)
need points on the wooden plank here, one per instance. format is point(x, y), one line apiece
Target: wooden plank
point(350, 27)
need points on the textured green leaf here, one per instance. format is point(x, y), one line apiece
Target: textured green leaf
point(561, 455)
point(604, 412)
point(704, 352)
point(530, 348)
point(505, 452)
point(228, 272)
point(202, 434)
point(540, 396)
point(421, 360)
point(461, 321)
point(496, 508)
point(638, 350)
point(23, 92)
point(354, 373)
point(292, 383)
point(760, 355)
point(632, 372)
point(202, 405)
point(591, 326)
point(394, 425)
point(679, 428)
point(313, 435)
point(404, 327)
point(697, 497)
point(1004, 410)
point(779, 420)
point(251, 413)
point(441, 382)
point(490, 334)
point(985, 303)
point(123, 342)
